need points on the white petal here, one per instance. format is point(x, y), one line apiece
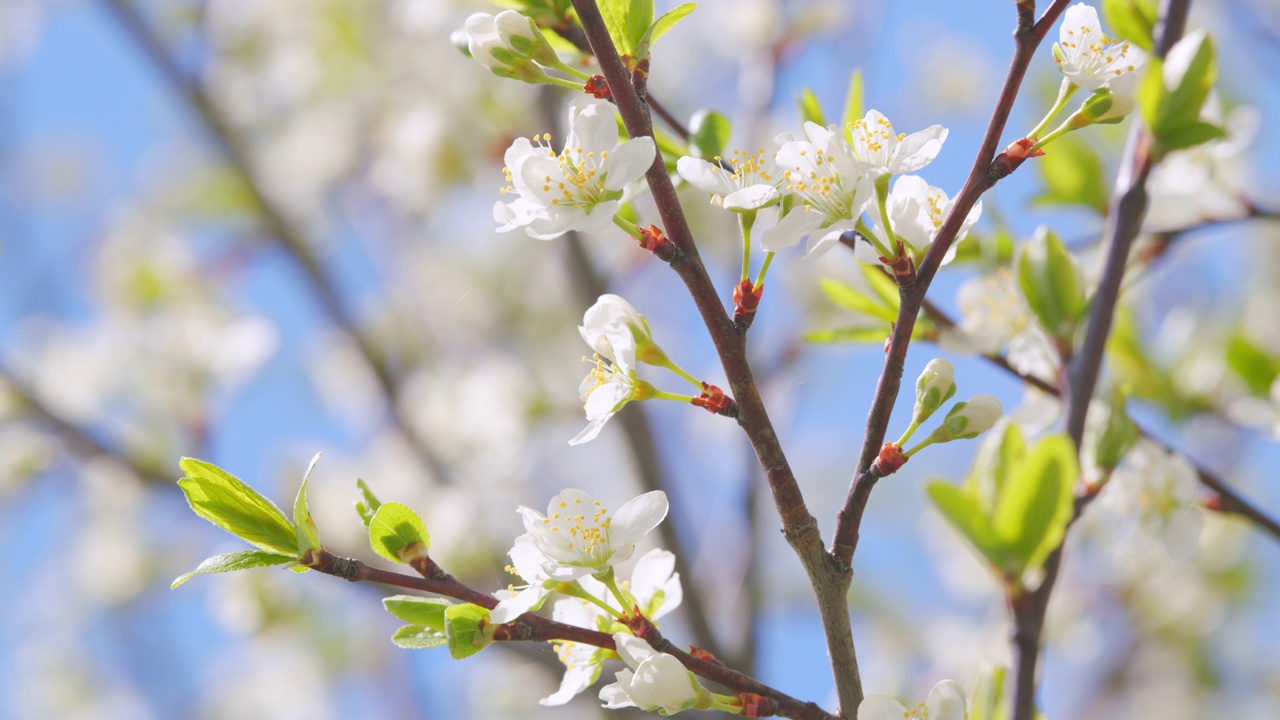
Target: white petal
point(592, 127)
point(637, 517)
point(629, 162)
point(632, 649)
point(946, 701)
point(599, 218)
point(614, 695)
point(790, 230)
point(705, 176)
point(918, 149)
point(528, 559)
point(819, 244)
point(662, 682)
point(591, 430)
point(576, 679)
point(881, 707)
point(517, 605)
point(555, 222)
point(752, 197)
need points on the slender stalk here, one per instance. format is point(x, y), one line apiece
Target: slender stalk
point(280, 230)
point(1128, 206)
point(982, 177)
point(829, 578)
point(535, 628)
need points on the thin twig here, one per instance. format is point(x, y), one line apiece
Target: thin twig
point(279, 229)
point(1027, 39)
point(535, 628)
point(1128, 206)
point(830, 579)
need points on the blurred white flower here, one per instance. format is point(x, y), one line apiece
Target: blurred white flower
point(946, 702)
point(1153, 491)
point(611, 384)
point(579, 189)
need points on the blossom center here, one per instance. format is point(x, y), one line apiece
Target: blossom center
point(821, 187)
point(585, 529)
point(748, 168)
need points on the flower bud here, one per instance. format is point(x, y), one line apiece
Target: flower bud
point(483, 40)
point(653, 681)
point(521, 34)
point(610, 313)
point(935, 386)
point(969, 419)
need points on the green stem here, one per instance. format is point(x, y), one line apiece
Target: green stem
point(670, 365)
point(764, 269)
point(573, 589)
point(726, 703)
point(1066, 127)
point(1065, 92)
point(921, 445)
point(573, 71)
point(561, 82)
point(612, 584)
point(628, 227)
point(663, 395)
point(915, 424)
point(745, 221)
point(882, 198)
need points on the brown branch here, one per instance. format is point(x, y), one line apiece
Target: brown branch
point(982, 177)
point(535, 628)
point(279, 229)
point(829, 577)
point(1128, 206)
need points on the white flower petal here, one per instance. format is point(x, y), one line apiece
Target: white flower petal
point(707, 177)
point(790, 230)
point(637, 517)
point(918, 149)
point(753, 197)
point(614, 696)
point(881, 707)
point(946, 701)
point(628, 163)
point(517, 605)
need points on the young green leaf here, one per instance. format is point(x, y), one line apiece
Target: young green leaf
point(1132, 20)
point(232, 561)
point(307, 533)
point(1052, 284)
point(416, 637)
point(810, 108)
point(708, 133)
point(415, 610)
point(398, 534)
point(962, 510)
point(225, 501)
point(855, 335)
point(663, 24)
point(465, 630)
point(1036, 503)
point(883, 285)
point(368, 504)
point(627, 21)
point(1073, 174)
point(849, 297)
point(852, 105)
point(1119, 433)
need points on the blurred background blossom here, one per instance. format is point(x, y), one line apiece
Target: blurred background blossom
point(251, 231)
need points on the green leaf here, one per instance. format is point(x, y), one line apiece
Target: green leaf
point(1257, 369)
point(663, 24)
point(810, 108)
point(1073, 174)
point(1052, 284)
point(464, 630)
point(988, 699)
point(1119, 433)
point(857, 335)
point(883, 285)
point(1132, 20)
point(307, 533)
point(992, 250)
point(225, 501)
point(852, 105)
point(238, 560)
point(708, 133)
point(415, 610)
point(368, 504)
point(1185, 99)
point(416, 637)
point(849, 297)
point(1190, 135)
point(994, 464)
point(961, 509)
point(398, 534)
point(627, 21)
point(1036, 503)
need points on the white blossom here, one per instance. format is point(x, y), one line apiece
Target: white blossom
point(829, 190)
point(1153, 489)
point(1093, 60)
point(653, 680)
point(611, 383)
point(612, 314)
point(750, 183)
point(917, 210)
point(879, 151)
point(946, 702)
point(581, 187)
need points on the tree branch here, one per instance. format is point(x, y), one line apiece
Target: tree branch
point(535, 628)
point(279, 229)
point(830, 579)
point(982, 177)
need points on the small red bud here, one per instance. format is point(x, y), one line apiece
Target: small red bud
point(904, 269)
point(598, 87)
point(703, 654)
point(1013, 156)
point(757, 706)
point(888, 461)
point(746, 299)
point(713, 400)
point(655, 242)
